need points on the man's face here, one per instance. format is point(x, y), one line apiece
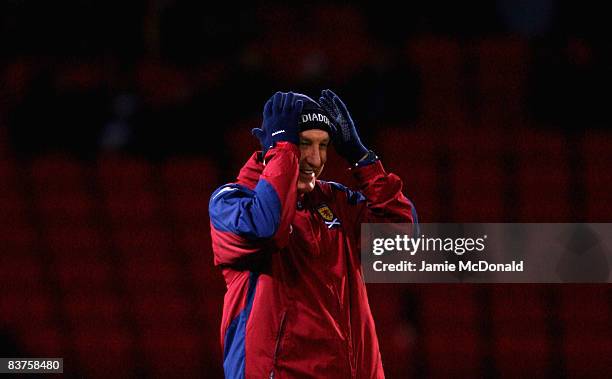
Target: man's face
point(313, 148)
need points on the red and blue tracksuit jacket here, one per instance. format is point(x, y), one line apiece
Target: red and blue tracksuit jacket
point(296, 303)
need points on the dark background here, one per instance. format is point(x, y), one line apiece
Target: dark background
point(118, 119)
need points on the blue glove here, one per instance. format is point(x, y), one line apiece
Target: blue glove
point(280, 121)
point(345, 138)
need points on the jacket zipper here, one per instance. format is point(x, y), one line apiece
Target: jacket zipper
point(279, 335)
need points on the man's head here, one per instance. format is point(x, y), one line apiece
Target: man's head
point(315, 137)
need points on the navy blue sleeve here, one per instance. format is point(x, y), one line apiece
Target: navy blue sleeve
point(252, 214)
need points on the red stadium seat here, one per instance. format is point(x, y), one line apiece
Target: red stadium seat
point(597, 175)
point(502, 78)
point(586, 316)
point(80, 241)
point(4, 137)
point(209, 305)
point(122, 174)
point(190, 208)
point(242, 145)
point(587, 356)
point(13, 208)
point(17, 239)
point(586, 309)
point(56, 173)
point(65, 208)
point(598, 197)
point(196, 177)
point(144, 275)
point(503, 63)
point(445, 303)
point(147, 263)
point(189, 184)
point(8, 174)
point(197, 246)
point(478, 189)
point(453, 353)
point(451, 337)
point(528, 305)
point(104, 352)
point(61, 190)
point(539, 145)
point(161, 84)
point(475, 144)
point(544, 193)
point(519, 324)
point(412, 154)
point(175, 353)
point(396, 336)
point(411, 143)
point(167, 309)
point(142, 242)
point(543, 176)
point(20, 273)
point(43, 341)
point(195, 240)
point(516, 355)
point(97, 308)
point(81, 275)
point(439, 61)
point(296, 49)
point(335, 24)
point(26, 308)
point(132, 208)
point(434, 54)
point(12, 200)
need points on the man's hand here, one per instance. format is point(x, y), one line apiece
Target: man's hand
point(280, 121)
point(345, 138)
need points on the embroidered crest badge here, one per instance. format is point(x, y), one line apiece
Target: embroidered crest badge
point(328, 216)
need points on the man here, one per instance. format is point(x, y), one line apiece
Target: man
point(296, 304)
